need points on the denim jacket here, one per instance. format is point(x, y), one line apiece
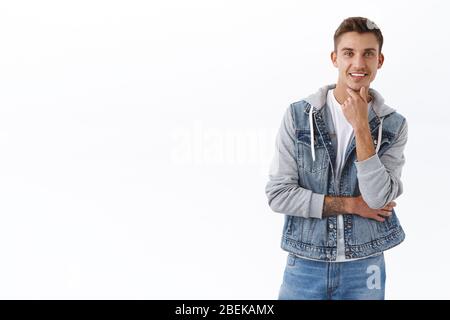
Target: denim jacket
point(302, 174)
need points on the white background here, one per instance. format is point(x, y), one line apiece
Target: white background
point(136, 138)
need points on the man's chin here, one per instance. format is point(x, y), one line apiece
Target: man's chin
point(357, 86)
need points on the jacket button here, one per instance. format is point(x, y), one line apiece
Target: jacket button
point(331, 226)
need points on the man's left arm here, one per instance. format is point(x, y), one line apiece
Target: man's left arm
point(379, 176)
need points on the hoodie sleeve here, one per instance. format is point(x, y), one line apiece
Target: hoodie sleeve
point(379, 177)
point(283, 192)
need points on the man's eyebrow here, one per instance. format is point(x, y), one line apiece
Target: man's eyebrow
point(351, 49)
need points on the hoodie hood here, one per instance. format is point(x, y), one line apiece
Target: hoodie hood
point(318, 100)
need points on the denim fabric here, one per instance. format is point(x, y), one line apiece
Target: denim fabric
point(298, 183)
point(305, 279)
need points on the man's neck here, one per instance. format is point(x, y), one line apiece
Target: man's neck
point(340, 93)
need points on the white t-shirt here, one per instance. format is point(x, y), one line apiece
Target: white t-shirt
point(343, 129)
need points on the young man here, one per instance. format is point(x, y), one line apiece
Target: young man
point(336, 171)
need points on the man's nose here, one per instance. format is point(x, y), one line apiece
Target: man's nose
point(359, 62)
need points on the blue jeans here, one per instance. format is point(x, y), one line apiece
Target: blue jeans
point(305, 279)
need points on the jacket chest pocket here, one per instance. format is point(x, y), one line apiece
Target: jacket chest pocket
point(304, 152)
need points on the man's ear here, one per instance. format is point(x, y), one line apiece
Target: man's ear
point(333, 57)
point(380, 60)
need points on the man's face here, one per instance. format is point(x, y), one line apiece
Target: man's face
point(357, 57)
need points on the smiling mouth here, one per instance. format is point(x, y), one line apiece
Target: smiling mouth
point(358, 74)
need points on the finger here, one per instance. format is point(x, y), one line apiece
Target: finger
point(378, 218)
point(385, 213)
point(362, 93)
point(390, 205)
point(352, 94)
point(345, 104)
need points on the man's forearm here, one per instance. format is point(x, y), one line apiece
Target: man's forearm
point(335, 205)
point(364, 144)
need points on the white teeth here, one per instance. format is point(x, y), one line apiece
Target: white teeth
point(358, 74)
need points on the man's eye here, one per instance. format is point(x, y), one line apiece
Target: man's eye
point(370, 53)
point(348, 53)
